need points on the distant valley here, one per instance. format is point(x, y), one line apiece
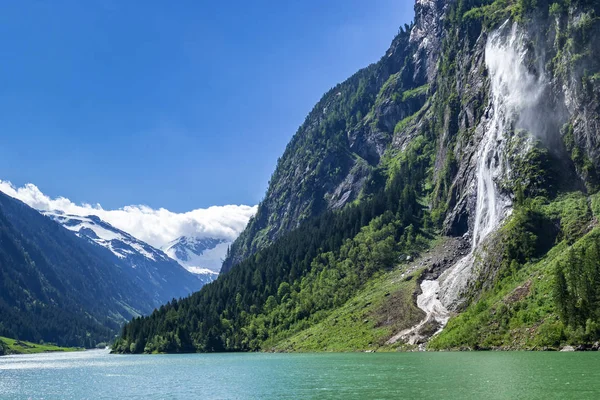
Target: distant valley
point(140, 255)
point(74, 279)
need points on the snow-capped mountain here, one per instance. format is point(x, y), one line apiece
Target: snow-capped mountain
point(153, 269)
point(120, 243)
point(198, 255)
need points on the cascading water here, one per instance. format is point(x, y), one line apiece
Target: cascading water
point(435, 312)
point(515, 93)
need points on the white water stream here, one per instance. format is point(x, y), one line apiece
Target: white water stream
point(429, 302)
point(515, 92)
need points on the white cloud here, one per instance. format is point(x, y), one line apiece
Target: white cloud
point(156, 227)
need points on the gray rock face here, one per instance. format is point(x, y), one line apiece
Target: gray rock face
point(550, 102)
point(567, 349)
point(461, 196)
point(578, 87)
point(426, 35)
point(350, 187)
point(564, 118)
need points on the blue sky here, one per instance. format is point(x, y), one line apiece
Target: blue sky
point(181, 104)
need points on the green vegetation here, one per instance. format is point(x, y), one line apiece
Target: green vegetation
point(535, 173)
point(577, 290)
point(381, 309)
point(581, 161)
point(542, 274)
point(12, 346)
point(307, 277)
point(416, 92)
point(333, 279)
point(491, 13)
point(403, 124)
point(303, 276)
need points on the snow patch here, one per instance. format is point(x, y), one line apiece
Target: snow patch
point(194, 256)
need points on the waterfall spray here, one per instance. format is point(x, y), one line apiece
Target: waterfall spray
point(515, 92)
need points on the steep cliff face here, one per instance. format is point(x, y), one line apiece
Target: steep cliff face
point(426, 36)
point(521, 78)
point(575, 77)
point(332, 156)
point(525, 126)
point(497, 91)
point(540, 109)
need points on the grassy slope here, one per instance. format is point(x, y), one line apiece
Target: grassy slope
point(377, 312)
point(519, 312)
point(21, 347)
point(381, 309)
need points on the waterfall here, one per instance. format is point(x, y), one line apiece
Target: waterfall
point(515, 94)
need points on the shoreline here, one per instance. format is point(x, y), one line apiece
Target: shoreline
point(21, 347)
point(561, 349)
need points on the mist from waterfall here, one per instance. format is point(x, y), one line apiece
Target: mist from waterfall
point(515, 93)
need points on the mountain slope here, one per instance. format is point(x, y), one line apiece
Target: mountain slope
point(334, 153)
point(480, 123)
point(229, 314)
point(148, 267)
point(56, 287)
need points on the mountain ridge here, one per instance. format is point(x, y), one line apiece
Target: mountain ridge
point(198, 255)
point(152, 269)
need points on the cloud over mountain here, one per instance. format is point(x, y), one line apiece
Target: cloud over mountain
point(154, 226)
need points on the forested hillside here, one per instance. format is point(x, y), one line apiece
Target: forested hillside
point(56, 287)
point(338, 147)
point(480, 124)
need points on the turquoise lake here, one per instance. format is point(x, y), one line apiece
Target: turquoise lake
point(484, 375)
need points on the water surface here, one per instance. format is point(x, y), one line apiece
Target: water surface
point(486, 375)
